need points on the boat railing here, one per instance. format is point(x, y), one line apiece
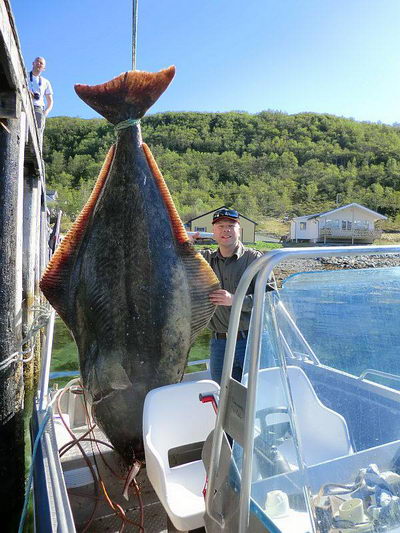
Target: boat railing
point(59, 515)
point(262, 268)
point(380, 373)
point(199, 362)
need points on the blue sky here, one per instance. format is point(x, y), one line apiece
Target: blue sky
point(328, 56)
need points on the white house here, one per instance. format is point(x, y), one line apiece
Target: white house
point(351, 223)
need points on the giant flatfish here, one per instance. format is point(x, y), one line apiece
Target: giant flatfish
point(125, 279)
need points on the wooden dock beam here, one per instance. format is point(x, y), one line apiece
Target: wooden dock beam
point(12, 461)
point(23, 256)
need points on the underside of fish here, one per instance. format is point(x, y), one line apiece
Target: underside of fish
point(125, 279)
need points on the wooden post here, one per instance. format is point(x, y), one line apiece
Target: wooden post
point(30, 277)
point(11, 375)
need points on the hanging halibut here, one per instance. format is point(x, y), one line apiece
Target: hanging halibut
point(125, 279)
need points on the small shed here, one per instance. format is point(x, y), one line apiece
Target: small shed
point(204, 223)
point(352, 223)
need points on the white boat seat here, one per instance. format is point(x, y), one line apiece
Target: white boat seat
point(322, 432)
point(174, 417)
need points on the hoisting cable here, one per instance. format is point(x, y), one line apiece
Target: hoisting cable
point(134, 31)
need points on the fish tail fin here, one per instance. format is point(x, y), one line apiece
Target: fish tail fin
point(128, 96)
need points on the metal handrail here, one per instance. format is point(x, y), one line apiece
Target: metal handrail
point(263, 267)
point(46, 362)
point(380, 373)
point(199, 362)
point(62, 508)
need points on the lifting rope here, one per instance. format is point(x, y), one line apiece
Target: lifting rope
point(134, 32)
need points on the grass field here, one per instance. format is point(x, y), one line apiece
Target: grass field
point(388, 238)
point(274, 226)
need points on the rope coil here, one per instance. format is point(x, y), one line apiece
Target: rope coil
point(39, 322)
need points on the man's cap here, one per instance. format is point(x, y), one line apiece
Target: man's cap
point(229, 214)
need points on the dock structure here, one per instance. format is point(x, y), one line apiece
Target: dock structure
point(23, 256)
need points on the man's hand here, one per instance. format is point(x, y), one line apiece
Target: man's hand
point(221, 297)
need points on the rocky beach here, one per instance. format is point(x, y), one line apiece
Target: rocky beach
point(286, 268)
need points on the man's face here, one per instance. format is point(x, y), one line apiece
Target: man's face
point(39, 64)
point(226, 232)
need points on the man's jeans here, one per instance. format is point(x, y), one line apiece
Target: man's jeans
point(217, 352)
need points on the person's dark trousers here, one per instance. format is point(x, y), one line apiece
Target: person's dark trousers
point(217, 352)
point(40, 119)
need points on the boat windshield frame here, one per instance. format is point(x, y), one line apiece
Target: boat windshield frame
point(263, 269)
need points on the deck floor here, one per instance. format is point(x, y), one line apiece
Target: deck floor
point(89, 505)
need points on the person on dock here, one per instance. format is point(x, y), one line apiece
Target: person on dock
point(228, 262)
point(42, 93)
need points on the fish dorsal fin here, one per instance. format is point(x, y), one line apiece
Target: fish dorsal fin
point(179, 229)
point(128, 96)
point(201, 277)
point(55, 280)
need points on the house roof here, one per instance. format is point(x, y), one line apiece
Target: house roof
point(325, 213)
point(216, 209)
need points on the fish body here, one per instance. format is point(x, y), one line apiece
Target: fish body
point(126, 279)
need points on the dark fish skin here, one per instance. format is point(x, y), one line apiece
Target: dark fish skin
point(133, 291)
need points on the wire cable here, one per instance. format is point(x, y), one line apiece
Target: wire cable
point(134, 32)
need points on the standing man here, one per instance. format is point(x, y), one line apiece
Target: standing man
point(42, 93)
point(228, 262)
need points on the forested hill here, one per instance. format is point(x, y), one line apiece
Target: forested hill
point(268, 164)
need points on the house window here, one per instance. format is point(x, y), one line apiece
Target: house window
point(343, 224)
point(348, 225)
point(303, 225)
point(197, 228)
point(361, 224)
point(332, 224)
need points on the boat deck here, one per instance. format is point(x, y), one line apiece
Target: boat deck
point(90, 503)
point(101, 506)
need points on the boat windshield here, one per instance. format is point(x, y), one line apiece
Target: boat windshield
point(326, 448)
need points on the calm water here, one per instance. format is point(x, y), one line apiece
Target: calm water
point(351, 319)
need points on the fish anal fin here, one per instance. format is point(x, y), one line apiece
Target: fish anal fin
point(179, 230)
point(54, 282)
point(202, 282)
point(129, 95)
point(201, 277)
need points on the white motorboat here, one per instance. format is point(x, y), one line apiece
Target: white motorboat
point(309, 441)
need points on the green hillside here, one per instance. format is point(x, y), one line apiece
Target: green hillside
point(266, 165)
